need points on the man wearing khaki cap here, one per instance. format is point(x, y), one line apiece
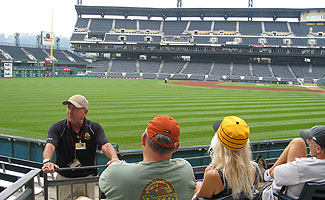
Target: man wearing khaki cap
point(293, 169)
point(75, 142)
point(157, 176)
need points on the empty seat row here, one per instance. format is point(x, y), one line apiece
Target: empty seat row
point(38, 54)
point(217, 69)
point(199, 27)
point(202, 39)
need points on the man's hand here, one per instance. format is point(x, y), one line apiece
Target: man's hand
point(110, 153)
point(49, 167)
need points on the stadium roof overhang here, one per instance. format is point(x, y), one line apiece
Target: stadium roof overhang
point(190, 12)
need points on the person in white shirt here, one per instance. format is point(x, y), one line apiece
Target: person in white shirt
point(293, 169)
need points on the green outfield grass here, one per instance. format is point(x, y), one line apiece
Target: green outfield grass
point(124, 107)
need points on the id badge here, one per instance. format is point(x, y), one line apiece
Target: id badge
point(80, 146)
point(75, 163)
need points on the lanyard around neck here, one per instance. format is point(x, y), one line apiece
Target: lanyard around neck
point(73, 144)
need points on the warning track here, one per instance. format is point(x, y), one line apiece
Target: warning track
point(213, 84)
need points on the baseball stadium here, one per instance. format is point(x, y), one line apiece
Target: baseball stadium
point(197, 65)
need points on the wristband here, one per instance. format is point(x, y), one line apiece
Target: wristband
point(46, 161)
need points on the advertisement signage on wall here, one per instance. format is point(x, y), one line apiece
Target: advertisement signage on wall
point(7, 70)
point(46, 38)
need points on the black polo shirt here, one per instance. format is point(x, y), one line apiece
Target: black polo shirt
point(64, 139)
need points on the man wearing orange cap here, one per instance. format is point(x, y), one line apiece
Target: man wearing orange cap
point(75, 142)
point(157, 176)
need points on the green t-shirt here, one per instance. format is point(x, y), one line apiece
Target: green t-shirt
point(173, 179)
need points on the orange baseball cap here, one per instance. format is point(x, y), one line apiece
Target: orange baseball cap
point(166, 125)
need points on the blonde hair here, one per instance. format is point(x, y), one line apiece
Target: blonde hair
point(237, 167)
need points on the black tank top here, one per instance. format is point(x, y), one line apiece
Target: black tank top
point(226, 190)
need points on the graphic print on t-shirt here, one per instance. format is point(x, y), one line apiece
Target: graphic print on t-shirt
point(158, 189)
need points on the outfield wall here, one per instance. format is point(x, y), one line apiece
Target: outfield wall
point(27, 71)
point(31, 149)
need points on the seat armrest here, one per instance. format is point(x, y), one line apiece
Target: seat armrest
point(283, 196)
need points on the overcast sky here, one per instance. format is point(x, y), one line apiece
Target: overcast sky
point(34, 16)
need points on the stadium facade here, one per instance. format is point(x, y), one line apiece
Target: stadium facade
point(203, 43)
point(238, 44)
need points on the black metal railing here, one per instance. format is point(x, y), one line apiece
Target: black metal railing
point(71, 181)
point(26, 182)
point(196, 155)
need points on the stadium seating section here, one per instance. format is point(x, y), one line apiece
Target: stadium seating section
point(26, 54)
point(209, 71)
point(201, 32)
point(204, 32)
point(28, 61)
point(275, 34)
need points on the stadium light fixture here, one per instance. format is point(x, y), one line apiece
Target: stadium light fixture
point(250, 3)
point(38, 40)
point(17, 39)
point(179, 3)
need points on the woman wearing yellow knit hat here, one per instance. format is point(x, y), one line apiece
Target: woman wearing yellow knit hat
point(231, 171)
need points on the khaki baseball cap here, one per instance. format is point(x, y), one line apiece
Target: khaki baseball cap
point(77, 100)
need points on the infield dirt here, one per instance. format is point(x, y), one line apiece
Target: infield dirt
point(213, 84)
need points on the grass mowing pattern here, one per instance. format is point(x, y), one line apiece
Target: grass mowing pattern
point(124, 108)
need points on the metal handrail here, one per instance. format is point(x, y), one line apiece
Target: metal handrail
point(27, 181)
point(80, 180)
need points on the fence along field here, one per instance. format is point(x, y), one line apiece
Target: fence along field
point(124, 108)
